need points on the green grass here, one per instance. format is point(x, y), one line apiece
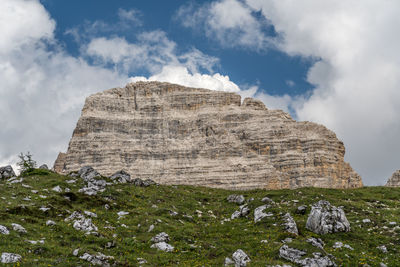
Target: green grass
point(198, 241)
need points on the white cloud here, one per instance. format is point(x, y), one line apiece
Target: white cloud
point(131, 16)
point(357, 79)
point(230, 22)
point(42, 89)
point(181, 75)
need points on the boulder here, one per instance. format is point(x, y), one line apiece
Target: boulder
point(240, 258)
point(4, 230)
point(6, 172)
point(87, 173)
point(259, 213)
point(296, 256)
point(121, 177)
point(325, 218)
point(163, 246)
point(161, 237)
point(394, 180)
point(97, 259)
point(242, 212)
point(17, 227)
point(10, 257)
point(43, 167)
point(289, 224)
point(238, 199)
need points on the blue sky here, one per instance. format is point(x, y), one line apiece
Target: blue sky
point(272, 70)
point(332, 62)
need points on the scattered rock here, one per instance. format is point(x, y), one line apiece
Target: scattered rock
point(259, 213)
point(85, 225)
point(383, 249)
point(93, 187)
point(10, 257)
point(163, 246)
point(267, 200)
point(290, 224)
point(301, 209)
point(50, 223)
point(97, 259)
point(229, 261)
point(120, 177)
point(242, 212)
point(316, 242)
point(143, 183)
point(161, 237)
point(87, 173)
point(43, 167)
point(240, 258)
point(160, 242)
point(366, 220)
point(57, 189)
point(141, 261)
point(295, 256)
point(121, 214)
point(238, 199)
point(6, 172)
point(75, 252)
point(18, 228)
point(4, 230)
point(325, 218)
point(151, 228)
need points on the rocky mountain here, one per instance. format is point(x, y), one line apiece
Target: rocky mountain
point(178, 135)
point(394, 180)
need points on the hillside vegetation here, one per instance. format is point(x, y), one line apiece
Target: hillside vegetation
point(197, 220)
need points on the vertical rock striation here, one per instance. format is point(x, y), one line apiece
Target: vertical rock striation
point(394, 180)
point(178, 135)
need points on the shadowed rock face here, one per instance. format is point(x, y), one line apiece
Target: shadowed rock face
point(394, 181)
point(178, 135)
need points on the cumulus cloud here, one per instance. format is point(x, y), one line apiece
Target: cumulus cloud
point(230, 22)
point(181, 75)
point(356, 74)
point(43, 88)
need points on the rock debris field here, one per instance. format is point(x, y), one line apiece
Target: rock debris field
point(83, 218)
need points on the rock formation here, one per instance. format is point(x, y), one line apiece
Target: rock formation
point(178, 135)
point(394, 181)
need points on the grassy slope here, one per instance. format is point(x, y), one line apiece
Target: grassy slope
point(211, 240)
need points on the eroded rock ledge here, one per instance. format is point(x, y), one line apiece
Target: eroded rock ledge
point(178, 135)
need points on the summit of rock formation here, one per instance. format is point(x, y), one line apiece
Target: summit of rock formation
point(394, 180)
point(178, 135)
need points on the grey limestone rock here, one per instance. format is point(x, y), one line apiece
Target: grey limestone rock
point(394, 180)
point(325, 218)
point(259, 213)
point(44, 167)
point(241, 212)
point(161, 237)
point(238, 199)
point(290, 224)
point(6, 172)
point(296, 256)
point(121, 177)
point(17, 227)
point(172, 133)
point(240, 258)
point(4, 230)
point(316, 242)
point(87, 173)
point(164, 246)
point(301, 209)
point(10, 257)
point(97, 259)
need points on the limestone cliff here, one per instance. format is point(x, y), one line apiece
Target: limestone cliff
point(394, 180)
point(178, 135)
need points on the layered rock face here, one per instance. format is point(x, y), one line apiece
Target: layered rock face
point(178, 135)
point(394, 181)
